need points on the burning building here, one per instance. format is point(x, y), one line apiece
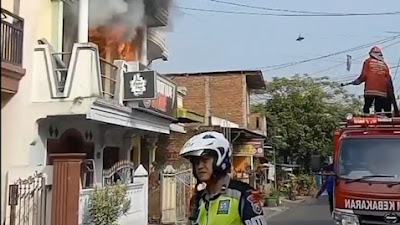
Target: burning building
point(120, 27)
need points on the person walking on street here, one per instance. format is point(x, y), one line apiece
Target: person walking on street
point(223, 201)
point(328, 185)
point(378, 83)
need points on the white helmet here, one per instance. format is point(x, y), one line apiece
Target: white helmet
point(211, 141)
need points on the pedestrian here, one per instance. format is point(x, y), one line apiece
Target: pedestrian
point(328, 185)
point(223, 201)
point(378, 83)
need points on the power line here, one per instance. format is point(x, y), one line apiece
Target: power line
point(287, 15)
point(285, 65)
point(395, 74)
point(397, 69)
point(280, 10)
point(337, 65)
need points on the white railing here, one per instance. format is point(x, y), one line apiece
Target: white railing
point(137, 192)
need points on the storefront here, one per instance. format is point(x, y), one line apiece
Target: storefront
point(247, 149)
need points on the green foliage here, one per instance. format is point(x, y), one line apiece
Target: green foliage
point(302, 114)
point(304, 184)
point(108, 204)
point(274, 193)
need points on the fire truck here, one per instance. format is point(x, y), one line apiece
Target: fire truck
point(367, 171)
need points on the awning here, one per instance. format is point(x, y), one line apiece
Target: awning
point(247, 133)
point(186, 116)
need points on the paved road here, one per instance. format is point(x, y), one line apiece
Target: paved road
point(310, 212)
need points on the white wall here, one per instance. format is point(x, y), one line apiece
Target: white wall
point(18, 120)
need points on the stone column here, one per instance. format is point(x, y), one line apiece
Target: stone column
point(83, 25)
point(66, 188)
point(151, 146)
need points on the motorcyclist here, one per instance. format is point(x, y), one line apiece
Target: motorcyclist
point(224, 201)
point(378, 83)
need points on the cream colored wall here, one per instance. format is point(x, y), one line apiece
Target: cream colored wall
point(8, 5)
point(19, 114)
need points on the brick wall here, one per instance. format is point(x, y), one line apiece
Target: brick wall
point(169, 146)
point(226, 94)
point(195, 99)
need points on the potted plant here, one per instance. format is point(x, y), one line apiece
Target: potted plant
point(272, 199)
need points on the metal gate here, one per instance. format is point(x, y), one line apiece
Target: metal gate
point(27, 201)
point(183, 181)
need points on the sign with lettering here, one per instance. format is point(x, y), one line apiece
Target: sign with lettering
point(173, 156)
point(165, 98)
point(376, 205)
point(260, 152)
point(140, 85)
point(244, 150)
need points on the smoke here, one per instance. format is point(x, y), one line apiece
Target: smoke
point(109, 13)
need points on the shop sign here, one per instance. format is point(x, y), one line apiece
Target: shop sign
point(260, 152)
point(165, 100)
point(140, 85)
point(152, 91)
point(245, 150)
point(173, 156)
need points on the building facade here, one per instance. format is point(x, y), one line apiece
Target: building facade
point(72, 98)
point(224, 99)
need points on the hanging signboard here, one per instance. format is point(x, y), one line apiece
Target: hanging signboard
point(152, 91)
point(246, 150)
point(140, 85)
point(165, 99)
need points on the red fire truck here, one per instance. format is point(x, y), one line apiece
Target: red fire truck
point(367, 171)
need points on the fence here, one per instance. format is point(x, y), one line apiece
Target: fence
point(108, 78)
point(27, 201)
point(137, 192)
point(176, 191)
point(12, 38)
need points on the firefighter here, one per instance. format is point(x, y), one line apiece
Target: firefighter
point(328, 185)
point(223, 201)
point(378, 83)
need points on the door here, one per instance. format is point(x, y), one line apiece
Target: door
point(110, 157)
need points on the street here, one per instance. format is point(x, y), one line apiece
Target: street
point(310, 212)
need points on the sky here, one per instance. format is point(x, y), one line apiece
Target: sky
point(203, 41)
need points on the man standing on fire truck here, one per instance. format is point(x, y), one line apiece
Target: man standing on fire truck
point(378, 82)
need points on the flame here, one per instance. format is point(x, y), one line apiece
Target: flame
point(111, 41)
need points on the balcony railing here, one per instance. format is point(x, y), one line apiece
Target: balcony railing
point(108, 78)
point(61, 62)
point(12, 37)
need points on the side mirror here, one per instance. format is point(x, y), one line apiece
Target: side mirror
point(316, 163)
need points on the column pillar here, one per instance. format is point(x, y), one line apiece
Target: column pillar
point(66, 188)
point(83, 25)
point(151, 146)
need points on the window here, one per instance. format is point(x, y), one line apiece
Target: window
point(110, 157)
point(362, 157)
point(257, 122)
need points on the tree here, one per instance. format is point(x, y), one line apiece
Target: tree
point(302, 114)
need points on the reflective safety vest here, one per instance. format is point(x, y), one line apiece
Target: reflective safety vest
point(236, 204)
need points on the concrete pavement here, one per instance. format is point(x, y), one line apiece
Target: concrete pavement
point(310, 212)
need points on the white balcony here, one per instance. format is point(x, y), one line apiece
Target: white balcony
point(156, 46)
point(66, 76)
